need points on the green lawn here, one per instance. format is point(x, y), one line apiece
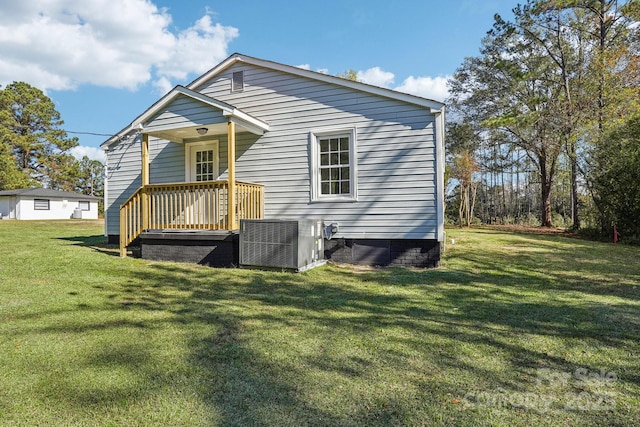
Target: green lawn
point(513, 329)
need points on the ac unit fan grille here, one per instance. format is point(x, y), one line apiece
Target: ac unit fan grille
point(280, 243)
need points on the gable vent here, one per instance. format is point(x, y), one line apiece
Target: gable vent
point(237, 82)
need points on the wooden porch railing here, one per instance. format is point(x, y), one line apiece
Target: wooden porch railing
point(193, 205)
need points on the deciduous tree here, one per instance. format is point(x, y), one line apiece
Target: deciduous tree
point(91, 177)
point(463, 170)
point(616, 178)
point(506, 90)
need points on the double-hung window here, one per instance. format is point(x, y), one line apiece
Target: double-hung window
point(333, 165)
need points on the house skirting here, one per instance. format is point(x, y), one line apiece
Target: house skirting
point(384, 252)
point(211, 248)
point(221, 249)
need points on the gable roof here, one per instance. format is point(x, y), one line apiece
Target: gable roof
point(47, 192)
point(247, 121)
point(235, 58)
point(251, 123)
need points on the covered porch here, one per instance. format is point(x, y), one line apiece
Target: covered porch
point(202, 202)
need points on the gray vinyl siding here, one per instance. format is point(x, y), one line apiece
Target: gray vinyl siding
point(184, 112)
point(166, 161)
point(395, 144)
point(124, 178)
point(166, 165)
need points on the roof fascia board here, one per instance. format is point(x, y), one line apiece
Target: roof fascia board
point(256, 130)
point(434, 106)
point(165, 135)
point(215, 70)
point(252, 124)
point(137, 123)
point(171, 96)
point(259, 126)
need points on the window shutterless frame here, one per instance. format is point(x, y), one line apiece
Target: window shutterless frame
point(333, 165)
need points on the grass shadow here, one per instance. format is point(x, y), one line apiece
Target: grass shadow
point(97, 243)
point(341, 346)
point(462, 315)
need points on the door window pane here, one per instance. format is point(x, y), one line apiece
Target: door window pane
point(204, 165)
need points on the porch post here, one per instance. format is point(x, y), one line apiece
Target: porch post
point(231, 164)
point(145, 159)
point(145, 181)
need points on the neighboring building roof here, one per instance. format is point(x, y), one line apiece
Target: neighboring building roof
point(229, 110)
point(46, 192)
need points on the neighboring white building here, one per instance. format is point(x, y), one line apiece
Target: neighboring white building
point(43, 203)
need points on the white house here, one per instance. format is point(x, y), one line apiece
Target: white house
point(44, 204)
point(255, 139)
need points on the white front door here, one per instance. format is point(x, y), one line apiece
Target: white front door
point(202, 161)
point(202, 165)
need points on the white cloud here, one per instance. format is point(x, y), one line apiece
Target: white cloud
point(308, 67)
point(61, 44)
point(197, 49)
point(426, 87)
point(376, 76)
point(93, 153)
point(163, 85)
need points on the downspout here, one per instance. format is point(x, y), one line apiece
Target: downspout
point(105, 190)
point(440, 164)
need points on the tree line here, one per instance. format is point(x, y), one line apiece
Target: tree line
point(544, 124)
point(35, 150)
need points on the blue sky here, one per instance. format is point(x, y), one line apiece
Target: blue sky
point(103, 62)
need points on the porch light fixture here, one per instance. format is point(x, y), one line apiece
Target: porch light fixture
point(202, 131)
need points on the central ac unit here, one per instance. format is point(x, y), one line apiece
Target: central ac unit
point(282, 243)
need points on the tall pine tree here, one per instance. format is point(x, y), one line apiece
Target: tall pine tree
point(31, 136)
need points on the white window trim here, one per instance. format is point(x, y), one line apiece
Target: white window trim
point(314, 163)
point(88, 205)
point(187, 157)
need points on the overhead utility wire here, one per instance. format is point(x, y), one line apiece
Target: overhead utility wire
point(88, 133)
